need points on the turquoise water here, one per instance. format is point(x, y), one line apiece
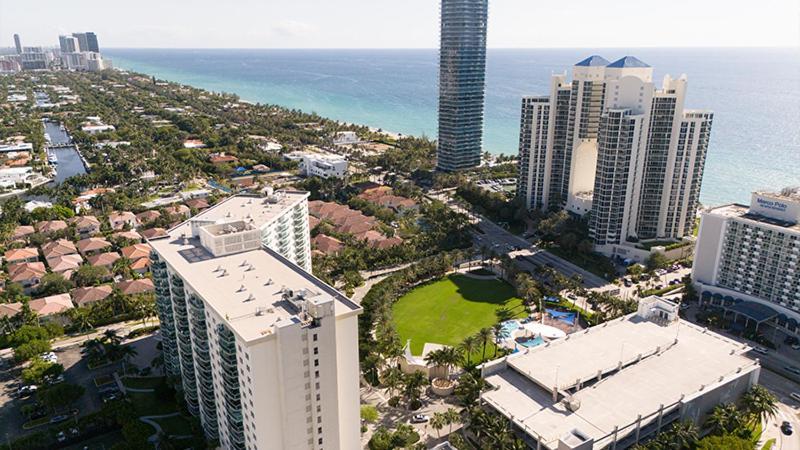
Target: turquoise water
point(755, 94)
point(508, 327)
point(532, 342)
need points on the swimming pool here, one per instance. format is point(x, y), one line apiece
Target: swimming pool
point(507, 329)
point(532, 342)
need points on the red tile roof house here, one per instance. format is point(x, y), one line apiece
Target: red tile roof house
point(136, 251)
point(59, 247)
point(140, 266)
point(22, 232)
point(127, 235)
point(147, 216)
point(50, 226)
point(118, 220)
point(29, 275)
point(154, 233)
point(21, 255)
point(65, 265)
point(87, 295)
point(91, 246)
point(10, 309)
point(103, 259)
point(327, 244)
point(140, 286)
point(179, 211)
point(86, 226)
point(49, 307)
point(221, 158)
point(197, 203)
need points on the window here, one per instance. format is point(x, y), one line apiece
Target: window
point(316, 374)
point(316, 351)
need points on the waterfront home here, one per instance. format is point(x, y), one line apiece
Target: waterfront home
point(21, 255)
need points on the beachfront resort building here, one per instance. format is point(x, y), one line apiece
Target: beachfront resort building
point(748, 259)
point(462, 73)
point(267, 354)
point(324, 165)
point(614, 385)
point(612, 144)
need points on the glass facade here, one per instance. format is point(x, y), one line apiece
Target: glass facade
point(462, 73)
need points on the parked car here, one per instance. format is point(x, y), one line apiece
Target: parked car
point(572, 297)
point(50, 357)
point(419, 418)
point(49, 379)
point(793, 369)
point(786, 428)
point(795, 396)
point(761, 350)
point(61, 437)
point(59, 418)
point(111, 396)
point(25, 391)
point(796, 346)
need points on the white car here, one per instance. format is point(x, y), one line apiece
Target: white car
point(761, 350)
point(50, 357)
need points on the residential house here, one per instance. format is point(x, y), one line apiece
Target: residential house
point(153, 233)
point(147, 216)
point(50, 226)
point(140, 266)
point(86, 226)
point(131, 236)
point(65, 265)
point(10, 309)
point(136, 251)
point(50, 306)
point(197, 203)
point(140, 286)
point(178, 211)
point(59, 247)
point(28, 275)
point(90, 246)
point(21, 255)
point(119, 219)
point(22, 232)
point(222, 158)
point(88, 295)
point(106, 260)
point(327, 245)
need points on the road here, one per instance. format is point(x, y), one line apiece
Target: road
point(788, 410)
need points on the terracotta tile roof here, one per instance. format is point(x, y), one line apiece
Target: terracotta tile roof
point(50, 226)
point(85, 295)
point(130, 287)
point(83, 222)
point(129, 235)
point(92, 245)
point(313, 222)
point(26, 271)
point(61, 264)
point(136, 251)
point(154, 233)
point(51, 305)
point(177, 210)
point(148, 216)
point(21, 254)
point(103, 259)
point(58, 247)
point(10, 309)
point(327, 244)
point(140, 265)
point(22, 231)
point(197, 203)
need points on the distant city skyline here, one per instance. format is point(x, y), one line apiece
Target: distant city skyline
point(410, 24)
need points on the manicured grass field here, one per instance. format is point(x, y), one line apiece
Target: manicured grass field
point(448, 310)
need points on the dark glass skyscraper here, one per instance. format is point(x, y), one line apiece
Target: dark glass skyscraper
point(17, 44)
point(462, 73)
point(87, 42)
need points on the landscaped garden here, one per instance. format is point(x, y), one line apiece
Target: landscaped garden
point(450, 309)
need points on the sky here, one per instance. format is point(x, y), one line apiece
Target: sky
point(402, 23)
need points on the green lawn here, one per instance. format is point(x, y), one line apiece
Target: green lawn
point(147, 404)
point(448, 310)
point(175, 426)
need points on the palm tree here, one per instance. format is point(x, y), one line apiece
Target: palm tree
point(683, 435)
point(484, 336)
point(392, 378)
point(127, 352)
point(497, 329)
point(725, 419)
point(469, 344)
point(760, 404)
point(438, 422)
point(413, 382)
point(452, 416)
point(111, 336)
point(80, 318)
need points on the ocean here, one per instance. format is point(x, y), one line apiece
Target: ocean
point(754, 93)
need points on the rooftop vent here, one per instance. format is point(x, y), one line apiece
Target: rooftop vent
point(218, 269)
point(241, 289)
point(244, 263)
point(250, 268)
point(250, 298)
point(269, 283)
point(224, 273)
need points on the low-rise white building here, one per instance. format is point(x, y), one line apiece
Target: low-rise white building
point(346, 138)
point(752, 254)
point(323, 165)
point(614, 385)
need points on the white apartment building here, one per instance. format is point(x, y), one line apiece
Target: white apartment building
point(267, 354)
point(611, 144)
point(615, 385)
point(323, 165)
point(752, 254)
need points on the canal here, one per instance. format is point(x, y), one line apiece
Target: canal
point(68, 161)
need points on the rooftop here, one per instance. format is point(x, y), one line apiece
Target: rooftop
point(252, 209)
point(628, 62)
point(593, 61)
point(644, 364)
point(252, 290)
point(743, 211)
